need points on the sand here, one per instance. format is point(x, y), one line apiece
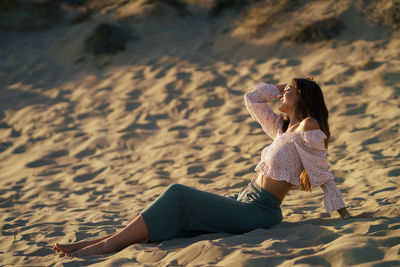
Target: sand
point(88, 141)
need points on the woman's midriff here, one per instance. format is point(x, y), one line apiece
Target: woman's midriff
point(277, 188)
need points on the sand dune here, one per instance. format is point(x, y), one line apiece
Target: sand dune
point(88, 141)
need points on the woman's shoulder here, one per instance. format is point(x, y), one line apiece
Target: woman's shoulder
point(309, 124)
point(311, 134)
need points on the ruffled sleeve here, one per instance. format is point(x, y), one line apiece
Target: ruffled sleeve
point(313, 154)
point(333, 198)
point(256, 103)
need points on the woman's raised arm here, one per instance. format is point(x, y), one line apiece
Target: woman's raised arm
point(256, 103)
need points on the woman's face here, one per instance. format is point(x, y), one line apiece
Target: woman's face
point(288, 98)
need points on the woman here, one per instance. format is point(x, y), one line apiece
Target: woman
point(296, 159)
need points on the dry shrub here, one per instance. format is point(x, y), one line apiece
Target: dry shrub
point(108, 38)
point(317, 31)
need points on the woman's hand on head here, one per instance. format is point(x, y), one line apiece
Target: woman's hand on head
point(281, 87)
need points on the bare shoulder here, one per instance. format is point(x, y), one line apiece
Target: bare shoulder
point(309, 124)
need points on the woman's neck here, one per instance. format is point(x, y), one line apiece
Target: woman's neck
point(293, 119)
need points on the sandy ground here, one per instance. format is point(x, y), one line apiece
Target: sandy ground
point(88, 142)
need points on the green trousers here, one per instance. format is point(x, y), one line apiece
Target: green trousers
point(184, 211)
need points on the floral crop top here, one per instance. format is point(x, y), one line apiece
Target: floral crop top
point(291, 152)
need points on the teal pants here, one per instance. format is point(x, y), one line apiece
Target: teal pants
point(184, 211)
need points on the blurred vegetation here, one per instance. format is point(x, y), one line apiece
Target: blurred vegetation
point(108, 38)
point(316, 31)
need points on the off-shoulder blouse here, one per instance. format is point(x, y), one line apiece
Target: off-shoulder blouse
point(291, 152)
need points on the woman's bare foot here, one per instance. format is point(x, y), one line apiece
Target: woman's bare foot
point(136, 231)
point(68, 248)
point(95, 249)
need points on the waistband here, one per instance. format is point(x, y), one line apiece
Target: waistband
point(264, 195)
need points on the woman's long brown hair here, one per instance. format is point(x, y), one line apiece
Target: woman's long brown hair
point(310, 104)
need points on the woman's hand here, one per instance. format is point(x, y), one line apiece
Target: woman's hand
point(281, 87)
point(343, 212)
